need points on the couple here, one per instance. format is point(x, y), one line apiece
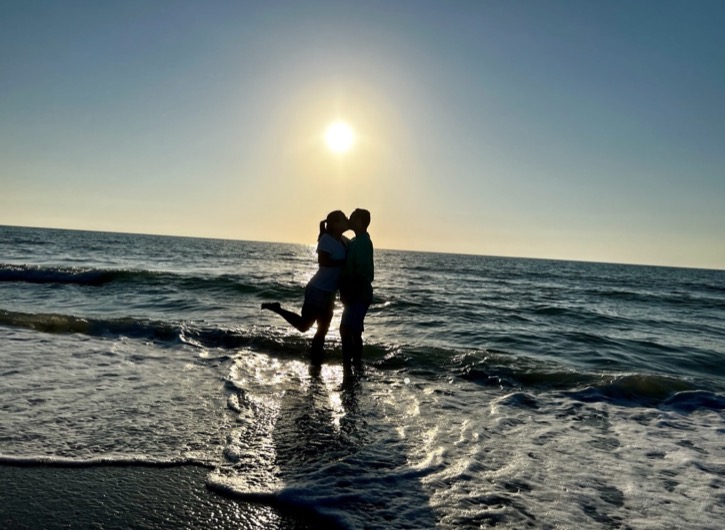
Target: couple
point(344, 265)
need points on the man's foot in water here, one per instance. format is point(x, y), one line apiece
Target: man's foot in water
point(272, 306)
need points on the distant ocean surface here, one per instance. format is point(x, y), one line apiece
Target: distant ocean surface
point(497, 392)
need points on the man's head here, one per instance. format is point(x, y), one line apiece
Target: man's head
point(360, 220)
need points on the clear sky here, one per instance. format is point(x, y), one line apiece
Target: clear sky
point(578, 130)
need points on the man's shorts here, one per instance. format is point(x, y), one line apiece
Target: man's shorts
point(353, 316)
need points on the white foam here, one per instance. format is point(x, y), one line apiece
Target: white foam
point(576, 465)
point(97, 396)
point(390, 453)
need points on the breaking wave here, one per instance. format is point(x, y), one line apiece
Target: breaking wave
point(482, 367)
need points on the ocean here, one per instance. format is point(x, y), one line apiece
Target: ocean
point(143, 387)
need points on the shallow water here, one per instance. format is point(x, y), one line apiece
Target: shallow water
point(508, 392)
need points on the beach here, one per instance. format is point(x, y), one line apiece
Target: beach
point(143, 387)
point(116, 497)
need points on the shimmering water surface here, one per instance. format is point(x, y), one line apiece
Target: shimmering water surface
point(508, 392)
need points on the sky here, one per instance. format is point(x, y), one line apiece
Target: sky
point(577, 130)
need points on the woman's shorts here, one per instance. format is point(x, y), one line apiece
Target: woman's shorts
point(318, 304)
point(319, 298)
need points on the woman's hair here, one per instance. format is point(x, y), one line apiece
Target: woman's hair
point(330, 217)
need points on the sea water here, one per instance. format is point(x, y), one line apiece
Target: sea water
point(496, 392)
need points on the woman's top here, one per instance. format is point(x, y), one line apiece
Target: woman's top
point(327, 278)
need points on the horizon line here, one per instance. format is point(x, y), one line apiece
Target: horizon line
point(448, 253)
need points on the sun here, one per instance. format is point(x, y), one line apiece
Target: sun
point(339, 137)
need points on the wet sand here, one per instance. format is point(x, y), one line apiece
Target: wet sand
point(122, 497)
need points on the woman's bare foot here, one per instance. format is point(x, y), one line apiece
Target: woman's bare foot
point(272, 306)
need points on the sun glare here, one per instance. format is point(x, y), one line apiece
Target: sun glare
point(339, 137)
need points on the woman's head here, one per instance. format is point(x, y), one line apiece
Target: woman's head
point(334, 224)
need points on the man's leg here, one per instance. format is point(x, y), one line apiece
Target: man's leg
point(357, 350)
point(351, 330)
point(348, 345)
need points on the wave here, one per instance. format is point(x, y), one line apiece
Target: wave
point(101, 461)
point(169, 333)
point(697, 296)
point(639, 389)
point(626, 389)
point(652, 391)
point(140, 279)
point(56, 323)
point(61, 275)
point(89, 276)
point(292, 501)
point(486, 368)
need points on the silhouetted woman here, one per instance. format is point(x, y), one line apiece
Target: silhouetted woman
point(320, 290)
